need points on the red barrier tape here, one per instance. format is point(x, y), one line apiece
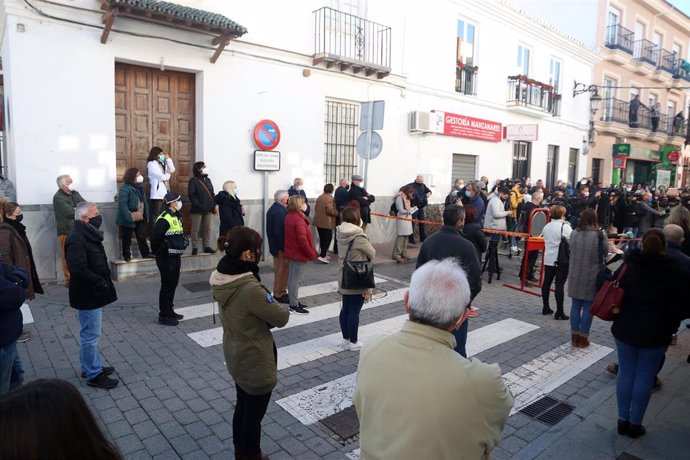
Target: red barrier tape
point(485, 230)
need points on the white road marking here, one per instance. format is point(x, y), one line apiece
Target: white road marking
point(354, 455)
point(206, 309)
point(314, 404)
point(26, 313)
point(547, 372)
point(211, 337)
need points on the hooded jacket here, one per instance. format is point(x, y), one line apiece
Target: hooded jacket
point(361, 250)
point(248, 312)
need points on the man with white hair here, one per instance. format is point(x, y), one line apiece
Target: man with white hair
point(65, 202)
point(416, 398)
point(674, 240)
point(275, 233)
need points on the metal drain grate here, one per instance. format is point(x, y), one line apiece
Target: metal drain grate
point(548, 410)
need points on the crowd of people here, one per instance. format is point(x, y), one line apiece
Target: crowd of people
point(589, 227)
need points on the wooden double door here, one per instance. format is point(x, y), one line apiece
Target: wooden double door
point(154, 108)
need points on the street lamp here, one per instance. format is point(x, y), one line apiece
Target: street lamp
point(594, 102)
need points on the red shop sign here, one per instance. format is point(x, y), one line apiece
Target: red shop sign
point(471, 128)
point(673, 156)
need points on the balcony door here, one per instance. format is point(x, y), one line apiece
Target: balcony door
point(522, 153)
point(613, 20)
point(609, 95)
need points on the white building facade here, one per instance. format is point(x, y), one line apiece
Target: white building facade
point(74, 105)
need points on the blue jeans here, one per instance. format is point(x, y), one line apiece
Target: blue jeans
point(89, 335)
point(461, 338)
point(349, 316)
point(8, 354)
point(637, 368)
point(580, 316)
point(17, 376)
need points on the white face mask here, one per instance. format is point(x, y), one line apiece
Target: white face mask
point(203, 171)
point(298, 188)
point(304, 207)
point(585, 194)
point(140, 179)
point(178, 205)
point(71, 187)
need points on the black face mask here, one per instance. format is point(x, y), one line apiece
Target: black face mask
point(19, 218)
point(96, 221)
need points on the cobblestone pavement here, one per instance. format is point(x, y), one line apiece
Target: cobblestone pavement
point(176, 398)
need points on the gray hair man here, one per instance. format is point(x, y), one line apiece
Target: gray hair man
point(463, 403)
point(275, 233)
point(674, 239)
point(65, 202)
point(90, 289)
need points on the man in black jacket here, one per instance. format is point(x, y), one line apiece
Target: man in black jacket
point(361, 196)
point(420, 200)
point(13, 282)
point(341, 199)
point(297, 188)
point(448, 242)
point(90, 289)
point(200, 192)
point(168, 242)
point(275, 232)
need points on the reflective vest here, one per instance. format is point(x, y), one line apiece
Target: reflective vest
point(175, 237)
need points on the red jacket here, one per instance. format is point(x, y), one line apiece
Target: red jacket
point(299, 244)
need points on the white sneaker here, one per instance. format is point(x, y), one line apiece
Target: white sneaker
point(345, 344)
point(323, 260)
point(356, 346)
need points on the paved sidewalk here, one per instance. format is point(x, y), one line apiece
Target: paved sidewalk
point(176, 398)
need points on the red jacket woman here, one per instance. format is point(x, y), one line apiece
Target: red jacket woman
point(299, 242)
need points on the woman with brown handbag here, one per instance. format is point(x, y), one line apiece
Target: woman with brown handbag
point(132, 214)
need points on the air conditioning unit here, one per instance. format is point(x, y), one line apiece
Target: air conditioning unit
point(420, 122)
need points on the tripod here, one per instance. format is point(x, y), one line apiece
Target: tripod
point(491, 260)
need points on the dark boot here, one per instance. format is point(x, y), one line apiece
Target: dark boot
point(546, 311)
point(575, 340)
point(560, 315)
point(623, 427)
point(635, 431)
point(584, 341)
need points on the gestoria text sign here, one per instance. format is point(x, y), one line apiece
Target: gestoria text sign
point(471, 128)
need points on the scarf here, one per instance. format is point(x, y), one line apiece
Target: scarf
point(234, 266)
point(139, 188)
point(18, 226)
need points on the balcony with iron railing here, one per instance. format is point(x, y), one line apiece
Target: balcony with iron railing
point(646, 51)
point(667, 61)
point(349, 42)
point(466, 79)
point(620, 38)
point(617, 111)
point(536, 97)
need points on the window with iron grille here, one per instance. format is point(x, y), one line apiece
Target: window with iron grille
point(339, 157)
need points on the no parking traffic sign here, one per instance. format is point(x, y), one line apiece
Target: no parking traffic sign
point(266, 135)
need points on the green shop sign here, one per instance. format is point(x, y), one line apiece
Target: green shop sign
point(636, 153)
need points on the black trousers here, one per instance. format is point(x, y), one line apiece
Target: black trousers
point(337, 222)
point(422, 229)
point(246, 421)
point(560, 274)
point(169, 268)
point(155, 210)
point(140, 233)
point(325, 238)
point(531, 261)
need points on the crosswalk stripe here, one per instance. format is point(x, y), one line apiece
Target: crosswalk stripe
point(354, 455)
point(206, 309)
point(547, 372)
point(26, 314)
point(314, 404)
point(317, 348)
point(211, 337)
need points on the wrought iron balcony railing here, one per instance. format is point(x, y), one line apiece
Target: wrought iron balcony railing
point(618, 111)
point(667, 60)
point(531, 93)
point(351, 42)
point(618, 37)
point(646, 51)
point(466, 79)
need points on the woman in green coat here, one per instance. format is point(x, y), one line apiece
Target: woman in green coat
point(247, 312)
point(133, 213)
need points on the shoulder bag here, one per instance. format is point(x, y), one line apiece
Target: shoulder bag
point(138, 215)
point(357, 275)
point(609, 300)
point(604, 274)
point(563, 257)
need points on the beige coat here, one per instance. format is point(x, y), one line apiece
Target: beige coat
point(325, 212)
point(361, 250)
point(416, 398)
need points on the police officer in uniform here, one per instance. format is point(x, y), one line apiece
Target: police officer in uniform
point(168, 242)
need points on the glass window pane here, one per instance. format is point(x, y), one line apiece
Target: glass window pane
point(519, 60)
point(461, 29)
point(470, 33)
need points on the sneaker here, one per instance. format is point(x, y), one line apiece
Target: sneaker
point(102, 381)
point(168, 320)
point(284, 299)
point(178, 316)
point(25, 337)
point(612, 368)
point(105, 370)
point(356, 345)
point(299, 310)
point(323, 260)
point(127, 258)
point(345, 344)
point(473, 312)
point(195, 251)
point(210, 251)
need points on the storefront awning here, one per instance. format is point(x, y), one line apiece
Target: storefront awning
point(173, 15)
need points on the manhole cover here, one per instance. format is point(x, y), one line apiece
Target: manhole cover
point(344, 424)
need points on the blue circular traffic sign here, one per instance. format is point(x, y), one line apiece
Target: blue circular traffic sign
point(266, 135)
